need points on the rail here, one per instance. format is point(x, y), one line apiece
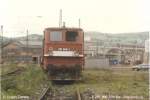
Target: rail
point(44, 94)
point(78, 94)
point(13, 73)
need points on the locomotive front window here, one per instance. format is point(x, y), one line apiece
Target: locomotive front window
point(71, 36)
point(56, 36)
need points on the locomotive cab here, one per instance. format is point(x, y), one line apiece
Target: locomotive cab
point(63, 55)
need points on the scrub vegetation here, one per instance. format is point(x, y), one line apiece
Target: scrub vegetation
point(101, 81)
point(25, 83)
point(117, 82)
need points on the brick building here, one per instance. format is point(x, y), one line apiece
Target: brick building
point(19, 51)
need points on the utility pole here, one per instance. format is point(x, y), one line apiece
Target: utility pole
point(79, 22)
point(97, 45)
point(136, 53)
point(2, 44)
point(27, 44)
point(60, 18)
point(64, 25)
point(104, 55)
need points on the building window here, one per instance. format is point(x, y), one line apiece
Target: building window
point(71, 36)
point(56, 36)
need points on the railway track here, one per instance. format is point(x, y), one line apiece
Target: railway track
point(12, 73)
point(59, 93)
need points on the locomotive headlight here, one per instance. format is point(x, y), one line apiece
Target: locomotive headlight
point(76, 53)
point(50, 51)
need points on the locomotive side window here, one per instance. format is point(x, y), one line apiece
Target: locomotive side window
point(71, 36)
point(56, 36)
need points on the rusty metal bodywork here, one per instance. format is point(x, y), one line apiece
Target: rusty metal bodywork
point(63, 54)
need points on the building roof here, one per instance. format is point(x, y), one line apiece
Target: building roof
point(23, 44)
point(35, 43)
point(11, 41)
point(63, 28)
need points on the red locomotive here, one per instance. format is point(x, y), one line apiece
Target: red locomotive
point(63, 53)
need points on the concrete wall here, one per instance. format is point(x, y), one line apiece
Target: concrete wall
point(96, 63)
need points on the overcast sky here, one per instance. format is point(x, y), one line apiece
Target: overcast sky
point(111, 16)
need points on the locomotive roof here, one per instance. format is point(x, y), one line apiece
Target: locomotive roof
point(62, 28)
